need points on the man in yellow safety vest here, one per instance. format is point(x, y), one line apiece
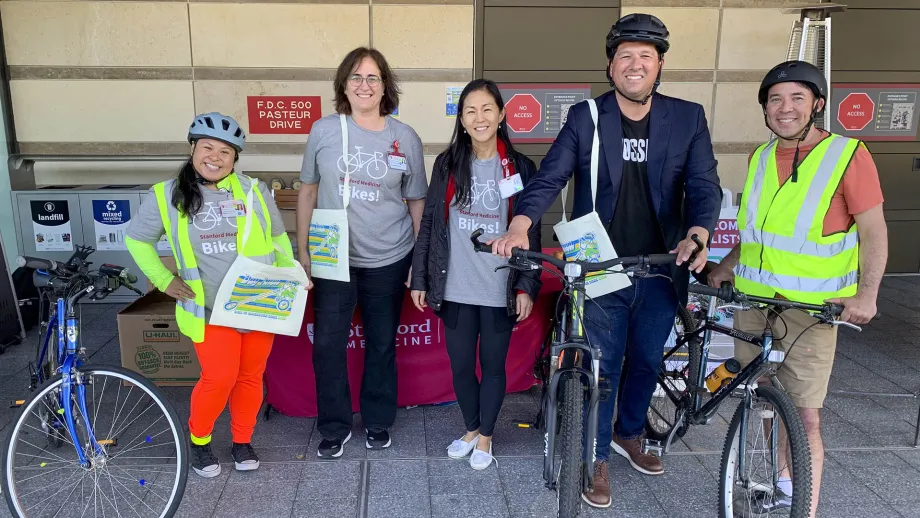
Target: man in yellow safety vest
point(812, 231)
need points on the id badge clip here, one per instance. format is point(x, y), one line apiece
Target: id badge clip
point(397, 160)
point(511, 184)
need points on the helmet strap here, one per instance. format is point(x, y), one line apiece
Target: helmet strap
point(644, 101)
point(799, 140)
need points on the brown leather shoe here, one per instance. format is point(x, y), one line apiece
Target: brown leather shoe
point(599, 496)
point(632, 450)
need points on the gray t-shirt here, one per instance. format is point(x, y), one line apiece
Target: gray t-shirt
point(471, 275)
point(213, 237)
point(380, 228)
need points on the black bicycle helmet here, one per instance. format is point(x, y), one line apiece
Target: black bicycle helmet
point(798, 72)
point(638, 27)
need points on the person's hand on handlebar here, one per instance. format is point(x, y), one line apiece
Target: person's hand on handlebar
point(687, 247)
point(515, 237)
point(858, 309)
point(720, 274)
point(179, 290)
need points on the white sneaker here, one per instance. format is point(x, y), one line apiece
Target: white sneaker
point(480, 459)
point(460, 448)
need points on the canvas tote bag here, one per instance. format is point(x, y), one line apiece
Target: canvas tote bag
point(261, 297)
point(328, 241)
point(585, 238)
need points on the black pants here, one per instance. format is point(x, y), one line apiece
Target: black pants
point(380, 293)
point(480, 402)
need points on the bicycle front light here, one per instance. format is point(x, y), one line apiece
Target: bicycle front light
point(572, 270)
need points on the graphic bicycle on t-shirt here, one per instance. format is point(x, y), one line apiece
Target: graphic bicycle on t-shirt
point(366, 169)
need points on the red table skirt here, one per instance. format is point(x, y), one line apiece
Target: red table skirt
point(423, 367)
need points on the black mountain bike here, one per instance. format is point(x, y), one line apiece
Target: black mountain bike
point(682, 399)
point(574, 370)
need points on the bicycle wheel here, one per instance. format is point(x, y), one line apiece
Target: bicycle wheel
point(568, 483)
point(678, 376)
point(754, 493)
point(143, 460)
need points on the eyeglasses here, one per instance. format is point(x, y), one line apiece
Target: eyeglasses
point(356, 80)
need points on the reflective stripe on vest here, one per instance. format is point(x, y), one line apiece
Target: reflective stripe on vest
point(790, 282)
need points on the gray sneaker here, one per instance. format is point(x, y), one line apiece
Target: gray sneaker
point(763, 503)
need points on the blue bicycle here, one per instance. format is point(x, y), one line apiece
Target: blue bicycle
point(90, 439)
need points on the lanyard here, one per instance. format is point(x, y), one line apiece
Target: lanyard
point(507, 165)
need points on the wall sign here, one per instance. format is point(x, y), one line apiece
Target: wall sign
point(452, 100)
point(875, 111)
point(110, 221)
point(536, 112)
point(283, 114)
point(51, 226)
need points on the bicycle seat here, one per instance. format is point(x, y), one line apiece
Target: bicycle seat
point(703, 276)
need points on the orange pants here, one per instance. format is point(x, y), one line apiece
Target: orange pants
point(232, 364)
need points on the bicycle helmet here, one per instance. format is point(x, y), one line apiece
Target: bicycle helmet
point(217, 126)
point(638, 27)
point(795, 71)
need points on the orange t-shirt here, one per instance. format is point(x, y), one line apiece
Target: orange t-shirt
point(859, 191)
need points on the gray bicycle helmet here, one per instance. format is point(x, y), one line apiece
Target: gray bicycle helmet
point(217, 126)
point(638, 27)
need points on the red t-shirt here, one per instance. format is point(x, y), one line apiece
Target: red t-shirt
point(859, 191)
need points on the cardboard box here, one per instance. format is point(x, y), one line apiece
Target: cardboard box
point(152, 345)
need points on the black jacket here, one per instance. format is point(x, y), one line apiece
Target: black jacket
point(432, 248)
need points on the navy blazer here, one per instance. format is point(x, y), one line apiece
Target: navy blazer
point(682, 174)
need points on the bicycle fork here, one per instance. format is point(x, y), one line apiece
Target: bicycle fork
point(67, 334)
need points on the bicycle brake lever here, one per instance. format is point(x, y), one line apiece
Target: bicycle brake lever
point(848, 324)
point(732, 306)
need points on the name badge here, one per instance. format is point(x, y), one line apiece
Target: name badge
point(397, 160)
point(510, 186)
point(232, 209)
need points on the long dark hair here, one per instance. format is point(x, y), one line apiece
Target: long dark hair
point(186, 196)
point(457, 160)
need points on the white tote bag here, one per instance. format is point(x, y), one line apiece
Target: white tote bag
point(261, 297)
point(328, 240)
point(585, 238)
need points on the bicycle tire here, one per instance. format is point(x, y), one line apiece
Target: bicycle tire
point(694, 360)
point(155, 394)
point(569, 481)
point(799, 451)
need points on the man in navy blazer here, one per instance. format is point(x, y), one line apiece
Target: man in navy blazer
point(657, 186)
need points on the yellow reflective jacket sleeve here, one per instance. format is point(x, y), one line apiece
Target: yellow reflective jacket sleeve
point(145, 255)
point(284, 243)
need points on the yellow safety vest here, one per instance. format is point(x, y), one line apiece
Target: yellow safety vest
point(783, 247)
point(190, 314)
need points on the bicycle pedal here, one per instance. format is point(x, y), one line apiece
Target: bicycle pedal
point(650, 447)
point(17, 403)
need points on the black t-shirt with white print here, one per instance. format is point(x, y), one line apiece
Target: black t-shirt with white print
point(634, 228)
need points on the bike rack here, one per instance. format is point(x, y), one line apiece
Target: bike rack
point(915, 395)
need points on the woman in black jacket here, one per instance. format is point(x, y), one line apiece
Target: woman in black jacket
point(473, 186)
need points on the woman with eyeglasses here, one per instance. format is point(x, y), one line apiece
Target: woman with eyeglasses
point(386, 195)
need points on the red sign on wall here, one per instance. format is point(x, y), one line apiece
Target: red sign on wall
point(523, 113)
point(856, 111)
point(283, 114)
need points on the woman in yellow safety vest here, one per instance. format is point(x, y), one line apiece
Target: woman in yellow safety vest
point(200, 211)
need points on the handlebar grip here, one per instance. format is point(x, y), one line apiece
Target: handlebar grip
point(726, 292)
point(698, 242)
point(662, 258)
point(477, 245)
point(36, 263)
point(132, 278)
point(836, 309)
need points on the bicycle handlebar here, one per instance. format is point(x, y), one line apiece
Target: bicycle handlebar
point(37, 263)
point(728, 293)
point(107, 279)
point(587, 267)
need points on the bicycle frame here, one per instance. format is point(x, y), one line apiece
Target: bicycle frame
point(571, 339)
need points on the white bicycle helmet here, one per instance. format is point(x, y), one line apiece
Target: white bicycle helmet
point(217, 126)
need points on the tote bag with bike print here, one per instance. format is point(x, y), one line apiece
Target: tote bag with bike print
point(328, 241)
point(261, 297)
point(585, 238)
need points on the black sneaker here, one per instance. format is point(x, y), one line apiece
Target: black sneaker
point(378, 440)
point(244, 457)
point(763, 503)
point(204, 462)
point(332, 448)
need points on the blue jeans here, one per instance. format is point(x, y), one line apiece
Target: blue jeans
point(633, 322)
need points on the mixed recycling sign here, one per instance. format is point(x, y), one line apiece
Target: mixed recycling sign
point(110, 220)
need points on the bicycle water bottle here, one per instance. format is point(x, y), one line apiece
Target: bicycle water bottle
point(722, 374)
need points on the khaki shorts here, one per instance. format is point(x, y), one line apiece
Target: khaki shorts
point(807, 370)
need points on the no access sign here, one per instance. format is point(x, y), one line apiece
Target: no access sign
point(524, 113)
point(287, 114)
point(855, 111)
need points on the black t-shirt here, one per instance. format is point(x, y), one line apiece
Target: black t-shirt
point(634, 228)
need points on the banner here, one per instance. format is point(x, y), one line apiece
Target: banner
point(423, 367)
